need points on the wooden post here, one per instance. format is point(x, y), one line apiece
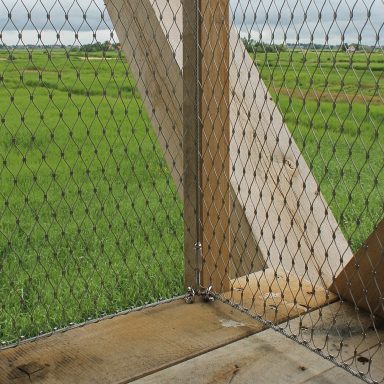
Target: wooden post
point(267, 172)
point(190, 143)
point(215, 131)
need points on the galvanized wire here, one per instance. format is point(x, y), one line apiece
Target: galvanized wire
point(91, 218)
point(307, 170)
point(93, 168)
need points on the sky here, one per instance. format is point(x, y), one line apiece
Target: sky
point(274, 21)
point(326, 20)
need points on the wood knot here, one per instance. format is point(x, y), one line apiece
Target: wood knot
point(290, 164)
point(27, 370)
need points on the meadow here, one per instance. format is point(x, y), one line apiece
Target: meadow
point(90, 220)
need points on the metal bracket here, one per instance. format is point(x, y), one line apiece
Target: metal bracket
point(207, 295)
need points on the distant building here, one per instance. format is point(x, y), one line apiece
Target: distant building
point(351, 49)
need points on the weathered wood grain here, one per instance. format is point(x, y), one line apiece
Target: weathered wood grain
point(267, 357)
point(362, 279)
point(214, 117)
point(126, 347)
point(282, 203)
point(191, 171)
point(154, 52)
point(276, 295)
point(339, 331)
point(294, 225)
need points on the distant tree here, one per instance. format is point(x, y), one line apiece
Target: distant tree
point(343, 47)
point(249, 44)
point(253, 46)
point(98, 47)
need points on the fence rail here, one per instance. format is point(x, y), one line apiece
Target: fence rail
point(148, 146)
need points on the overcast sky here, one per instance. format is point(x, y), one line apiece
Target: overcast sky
point(273, 21)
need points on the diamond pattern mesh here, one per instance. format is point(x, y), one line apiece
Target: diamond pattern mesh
point(239, 143)
point(301, 238)
point(91, 220)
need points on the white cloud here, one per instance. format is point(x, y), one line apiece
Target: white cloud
point(67, 15)
point(318, 20)
point(50, 37)
point(268, 20)
point(65, 22)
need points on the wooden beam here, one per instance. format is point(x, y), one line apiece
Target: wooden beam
point(150, 39)
point(157, 74)
point(277, 295)
point(192, 223)
point(214, 114)
point(245, 256)
point(126, 347)
point(290, 219)
point(281, 202)
point(362, 279)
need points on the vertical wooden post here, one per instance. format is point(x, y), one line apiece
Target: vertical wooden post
point(190, 142)
point(215, 137)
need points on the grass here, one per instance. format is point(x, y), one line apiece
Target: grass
point(90, 219)
point(332, 103)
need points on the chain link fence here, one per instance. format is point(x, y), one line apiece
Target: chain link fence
point(292, 170)
point(91, 219)
point(239, 145)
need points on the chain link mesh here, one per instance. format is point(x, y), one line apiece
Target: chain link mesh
point(302, 235)
point(264, 140)
point(91, 220)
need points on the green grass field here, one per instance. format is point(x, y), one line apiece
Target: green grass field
point(87, 202)
point(90, 220)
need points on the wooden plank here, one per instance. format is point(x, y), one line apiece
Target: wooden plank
point(245, 256)
point(294, 225)
point(214, 114)
point(361, 280)
point(192, 225)
point(272, 181)
point(277, 296)
point(339, 331)
point(157, 74)
point(370, 363)
point(126, 347)
point(267, 357)
point(336, 329)
point(349, 336)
